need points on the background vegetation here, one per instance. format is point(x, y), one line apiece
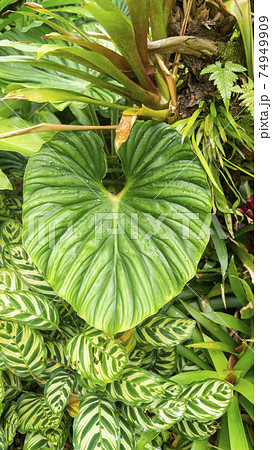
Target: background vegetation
point(183, 377)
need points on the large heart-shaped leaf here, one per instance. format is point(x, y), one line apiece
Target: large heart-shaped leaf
point(117, 258)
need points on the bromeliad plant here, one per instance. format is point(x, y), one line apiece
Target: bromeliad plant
point(127, 68)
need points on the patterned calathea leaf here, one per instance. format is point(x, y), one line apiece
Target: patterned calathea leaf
point(166, 361)
point(58, 389)
point(3, 444)
point(127, 434)
point(207, 400)
point(28, 308)
point(15, 257)
point(136, 386)
point(145, 419)
point(55, 358)
point(2, 390)
point(194, 430)
point(11, 422)
point(100, 251)
point(171, 390)
point(58, 436)
point(22, 349)
point(10, 281)
point(35, 441)
point(96, 355)
point(34, 414)
point(143, 356)
point(163, 331)
point(168, 411)
point(86, 385)
point(96, 425)
point(12, 384)
point(11, 231)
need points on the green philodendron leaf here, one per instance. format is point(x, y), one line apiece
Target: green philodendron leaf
point(207, 400)
point(137, 386)
point(163, 331)
point(34, 414)
point(96, 355)
point(58, 389)
point(117, 258)
point(28, 308)
point(22, 349)
point(96, 425)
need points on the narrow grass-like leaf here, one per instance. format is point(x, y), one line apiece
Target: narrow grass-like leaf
point(213, 328)
point(226, 320)
point(22, 349)
point(96, 425)
point(194, 376)
point(246, 388)
point(237, 434)
point(28, 308)
point(58, 389)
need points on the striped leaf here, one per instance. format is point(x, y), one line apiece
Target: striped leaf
point(55, 358)
point(96, 426)
point(207, 400)
point(86, 385)
point(96, 355)
point(163, 331)
point(22, 349)
point(10, 281)
point(138, 418)
point(171, 390)
point(143, 356)
point(58, 389)
point(35, 441)
point(194, 430)
point(136, 386)
point(166, 361)
point(127, 434)
point(168, 411)
point(12, 384)
point(11, 422)
point(25, 268)
point(11, 231)
point(30, 308)
point(34, 414)
point(58, 436)
point(2, 390)
point(3, 444)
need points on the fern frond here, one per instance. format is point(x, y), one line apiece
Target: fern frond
point(224, 78)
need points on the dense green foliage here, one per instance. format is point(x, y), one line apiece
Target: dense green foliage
point(126, 272)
